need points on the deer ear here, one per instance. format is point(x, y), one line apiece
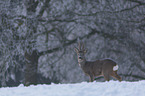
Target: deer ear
point(76, 49)
point(85, 51)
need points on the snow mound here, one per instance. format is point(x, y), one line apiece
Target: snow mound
point(111, 88)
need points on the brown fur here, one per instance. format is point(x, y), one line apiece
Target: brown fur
point(100, 68)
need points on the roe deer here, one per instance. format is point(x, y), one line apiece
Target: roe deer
point(104, 67)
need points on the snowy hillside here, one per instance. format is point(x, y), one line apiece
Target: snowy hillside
point(112, 88)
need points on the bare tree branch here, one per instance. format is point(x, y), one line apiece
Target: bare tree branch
point(67, 44)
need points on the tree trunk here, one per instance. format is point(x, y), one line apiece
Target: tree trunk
point(31, 68)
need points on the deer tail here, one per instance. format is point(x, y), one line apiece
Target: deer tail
point(115, 68)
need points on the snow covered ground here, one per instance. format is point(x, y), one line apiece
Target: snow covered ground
point(112, 88)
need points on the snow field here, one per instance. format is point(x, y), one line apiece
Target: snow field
point(111, 88)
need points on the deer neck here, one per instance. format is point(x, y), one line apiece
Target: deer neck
point(82, 62)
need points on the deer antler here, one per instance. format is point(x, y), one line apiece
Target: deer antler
point(83, 47)
point(79, 43)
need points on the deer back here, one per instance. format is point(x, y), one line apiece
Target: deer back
point(98, 67)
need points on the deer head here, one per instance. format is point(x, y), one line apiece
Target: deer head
point(81, 52)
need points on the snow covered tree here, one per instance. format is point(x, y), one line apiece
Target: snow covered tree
point(38, 38)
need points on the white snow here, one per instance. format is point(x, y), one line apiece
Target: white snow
point(111, 88)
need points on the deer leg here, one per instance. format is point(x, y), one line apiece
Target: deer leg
point(116, 76)
point(106, 77)
point(91, 78)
